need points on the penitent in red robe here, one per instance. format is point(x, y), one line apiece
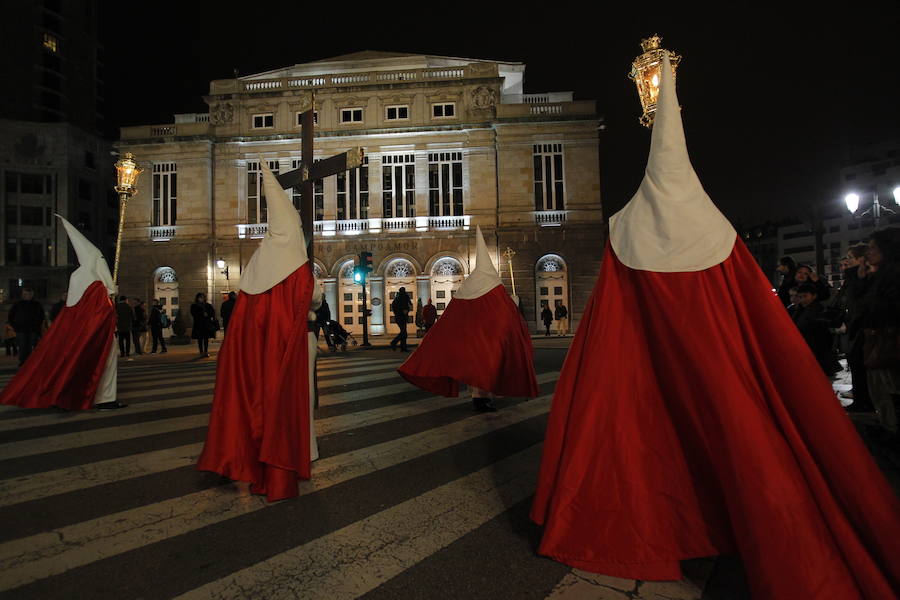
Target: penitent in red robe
point(483, 342)
point(65, 368)
point(691, 419)
point(259, 429)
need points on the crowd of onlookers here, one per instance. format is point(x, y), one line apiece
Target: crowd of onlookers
point(858, 319)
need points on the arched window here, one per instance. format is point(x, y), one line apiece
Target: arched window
point(551, 283)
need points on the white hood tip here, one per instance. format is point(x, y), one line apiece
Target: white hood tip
point(670, 224)
point(283, 250)
point(483, 277)
point(92, 266)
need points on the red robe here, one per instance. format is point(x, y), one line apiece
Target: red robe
point(65, 368)
point(691, 419)
point(482, 342)
point(259, 428)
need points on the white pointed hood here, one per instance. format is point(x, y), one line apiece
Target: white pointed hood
point(92, 266)
point(670, 225)
point(484, 276)
point(283, 250)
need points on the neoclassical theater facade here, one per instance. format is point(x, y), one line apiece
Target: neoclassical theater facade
point(450, 144)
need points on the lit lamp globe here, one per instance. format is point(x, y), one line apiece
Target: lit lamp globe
point(645, 72)
point(852, 202)
point(127, 173)
point(220, 263)
point(897, 194)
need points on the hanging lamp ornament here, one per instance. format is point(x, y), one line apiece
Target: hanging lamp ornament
point(645, 72)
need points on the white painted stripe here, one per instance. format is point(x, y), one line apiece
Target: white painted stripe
point(365, 393)
point(60, 481)
point(327, 382)
point(579, 585)
point(29, 559)
point(356, 559)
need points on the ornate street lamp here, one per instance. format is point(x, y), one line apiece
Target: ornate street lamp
point(223, 267)
point(645, 74)
point(852, 202)
point(127, 173)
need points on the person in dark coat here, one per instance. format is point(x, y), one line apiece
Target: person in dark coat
point(811, 320)
point(155, 321)
point(805, 273)
point(879, 316)
point(124, 323)
point(226, 309)
point(139, 327)
point(204, 316)
point(547, 318)
point(26, 317)
point(429, 315)
point(787, 267)
point(401, 306)
point(562, 319)
point(849, 296)
point(54, 310)
point(323, 323)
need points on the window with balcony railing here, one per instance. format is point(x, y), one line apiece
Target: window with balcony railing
point(399, 185)
point(549, 178)
point(257, 210)
point(353, 193)
point(165, 194)
point(445, 184)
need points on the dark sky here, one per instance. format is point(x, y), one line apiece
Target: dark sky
point(773, 102)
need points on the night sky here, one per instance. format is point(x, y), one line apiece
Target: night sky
point(773, 102)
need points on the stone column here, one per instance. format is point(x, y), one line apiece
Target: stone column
point(376, 197)
point(421, 184)
point(376, 322)
point(331, 295)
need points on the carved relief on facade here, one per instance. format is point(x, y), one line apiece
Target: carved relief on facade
point(221, 113)
point(485, 69)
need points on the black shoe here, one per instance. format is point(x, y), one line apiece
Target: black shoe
point(110, 405)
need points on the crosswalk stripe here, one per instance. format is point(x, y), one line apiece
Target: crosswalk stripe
point(58, 481)
point(50, 553)
point(356, 559)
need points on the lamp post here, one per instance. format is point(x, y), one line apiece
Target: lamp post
point(645, 74)
point(127, 173)
point(852, 202)
point(223, 267)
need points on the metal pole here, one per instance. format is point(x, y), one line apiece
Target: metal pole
point(365, 307)
point(123, 201)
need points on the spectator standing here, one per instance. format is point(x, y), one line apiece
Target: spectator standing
point(562, 319)
point(547, 318)
point(157, 324)
point(880, 320)
point(54, 310)
point(401, 306)
point(124, 323)
point(27, 317)
point(429, 315)
point(810, 318)
point(139, 329)
point(204, 316)
point(806, 273)
point(787, 267)
point(226, 309)
point(851, 293)
point(9, 340)
point(323, 322)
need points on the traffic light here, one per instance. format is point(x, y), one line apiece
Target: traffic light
point(363, 268)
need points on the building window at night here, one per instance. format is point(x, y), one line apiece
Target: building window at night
point(318, 193)
point(549, 183)
point(51, 43)
point(300, 118)
point(257, 211)
point(165, 194)
point(351, 115)
point(263, 121)
point(397, 113)
point(353, 192)
point(443, 110)
point(445, 184)
point(398, 184)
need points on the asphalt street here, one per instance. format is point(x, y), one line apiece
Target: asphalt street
point(414, 496)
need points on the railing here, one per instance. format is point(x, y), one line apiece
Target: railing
point(162, 234)
point(252, 230)
point(545, 109)
point(398, 223)
point(352, 226)
point(550, 218)
point(192, 118)
point(163, 130)
point(460, 222)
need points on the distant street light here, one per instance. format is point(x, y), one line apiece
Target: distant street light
point(645, 72)
point(852, 202)
point(223, 267)
point(127, 173)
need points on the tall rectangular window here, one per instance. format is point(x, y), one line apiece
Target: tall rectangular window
point(257, 210)
point(318, 193)
point(165, 194)
point(549, 181)
point(399, 185)
point(353, 192)
point(445, 184)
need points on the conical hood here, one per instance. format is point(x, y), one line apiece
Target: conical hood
point(670, 225)
point(483, 277)
point(283, 250)
point(92, 265)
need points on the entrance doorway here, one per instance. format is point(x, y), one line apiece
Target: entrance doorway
point(165, 289)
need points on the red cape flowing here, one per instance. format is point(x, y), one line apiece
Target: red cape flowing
point(66, 366)
point(259, 428)
point(691, 419)
point(482, 342)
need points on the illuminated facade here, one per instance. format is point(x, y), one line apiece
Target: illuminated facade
point(450, 143)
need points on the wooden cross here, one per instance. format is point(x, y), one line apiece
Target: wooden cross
point(509, 254)
point(309, 171)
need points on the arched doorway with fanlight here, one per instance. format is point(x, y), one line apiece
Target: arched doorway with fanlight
point(399, 272)
point(447, 275)
point(551, 284)
point(165, 289)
